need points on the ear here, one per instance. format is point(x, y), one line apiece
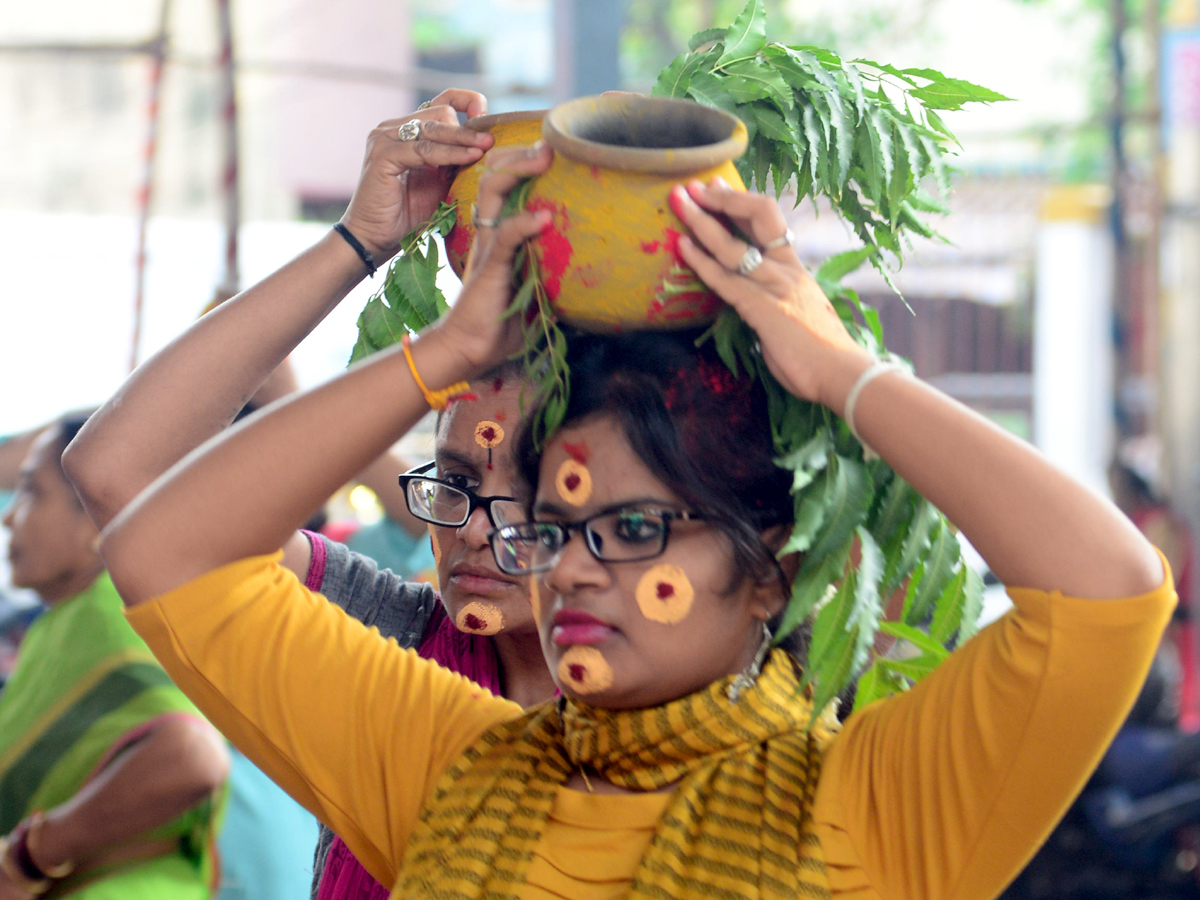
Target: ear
point(769, 595)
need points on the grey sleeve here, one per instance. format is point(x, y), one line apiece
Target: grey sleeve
point(374, 596)
point(378, 597)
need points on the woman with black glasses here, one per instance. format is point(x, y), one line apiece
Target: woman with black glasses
point(683, 759)
point(480, 624)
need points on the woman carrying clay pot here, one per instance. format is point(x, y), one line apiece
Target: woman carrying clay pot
point(192, 389)
point(682, 760)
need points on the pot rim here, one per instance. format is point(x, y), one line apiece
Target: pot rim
point(488, 122)
point(664, 160)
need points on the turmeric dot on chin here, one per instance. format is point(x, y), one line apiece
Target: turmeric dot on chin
point(664, 594)
point(480, 618)
point(585, 670)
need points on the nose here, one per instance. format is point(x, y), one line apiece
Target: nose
point(474, 532)
point(576, 567)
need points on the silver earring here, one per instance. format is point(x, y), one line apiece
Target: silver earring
point(746, 678)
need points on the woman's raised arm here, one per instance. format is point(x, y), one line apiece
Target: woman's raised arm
point(193, 388)
point(1035, 526)
point(247, 490)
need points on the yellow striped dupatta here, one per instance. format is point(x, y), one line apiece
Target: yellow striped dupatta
point(738, 824)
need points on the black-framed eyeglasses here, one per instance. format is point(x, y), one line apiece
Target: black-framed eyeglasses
point(442, 503)
point(629, 534)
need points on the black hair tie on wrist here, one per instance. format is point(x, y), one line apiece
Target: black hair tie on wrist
point(363, 253)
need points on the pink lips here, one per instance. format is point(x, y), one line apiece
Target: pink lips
point(479, 580)
point(574, 627)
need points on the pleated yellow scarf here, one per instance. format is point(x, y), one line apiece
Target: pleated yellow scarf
point(738, 824)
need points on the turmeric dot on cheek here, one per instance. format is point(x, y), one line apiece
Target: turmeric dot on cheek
point(664, 594)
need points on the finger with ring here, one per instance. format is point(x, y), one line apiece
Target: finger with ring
point(479, 221)
point(425, 105)
point(750, 261)
point(409, 131)
point(784, 240)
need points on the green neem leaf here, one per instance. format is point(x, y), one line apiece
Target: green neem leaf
point(809, 589)
point(833, 648)
point(710, 90)
point(674, 80)
point(938, 570)
point(972, 605)
point(880, 132)
point(952, 93)
point(848, 498)
point(854, 79)
point(877, 683)
point(771, 124)
point(894, 512)
point(708, 36)
point(415, 276)
point(810, 458)
point(840, 265)
point(924, 521)
point(747, 35)
point(947, 612)
point(812, 135)
point(915, 636)
point(868, 604)
point(809, 517)
point(912, 669)
point(754, 71)
point(378, 327)
point(444, 218)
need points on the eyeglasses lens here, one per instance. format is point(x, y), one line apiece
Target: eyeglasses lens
point(437, 503)
point(622, 536)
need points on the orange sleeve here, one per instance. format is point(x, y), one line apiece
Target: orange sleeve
point(946, 791)
point(353, 727)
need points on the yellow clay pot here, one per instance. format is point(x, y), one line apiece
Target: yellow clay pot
point(610, 259)
point(508, 129)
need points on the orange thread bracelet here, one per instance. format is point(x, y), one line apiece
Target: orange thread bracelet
point(436, 399)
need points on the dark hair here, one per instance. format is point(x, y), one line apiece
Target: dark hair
point(65, 428)
point(510, 369)
point(700, 430)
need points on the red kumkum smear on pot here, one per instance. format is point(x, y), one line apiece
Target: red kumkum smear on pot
point(556, 249)
point(459, 242)
point(650, 246)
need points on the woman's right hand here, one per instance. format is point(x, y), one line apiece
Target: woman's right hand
point(402, 182)
point(475, 328)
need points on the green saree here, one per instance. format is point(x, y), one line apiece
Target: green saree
point(84, 688)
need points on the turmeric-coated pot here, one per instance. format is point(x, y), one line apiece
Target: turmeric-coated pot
point(610, 258)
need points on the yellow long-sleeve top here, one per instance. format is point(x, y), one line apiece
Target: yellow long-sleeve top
point(943, 792)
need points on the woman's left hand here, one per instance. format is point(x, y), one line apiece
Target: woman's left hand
point(803, 340)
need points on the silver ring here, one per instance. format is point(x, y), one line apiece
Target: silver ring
point(425, 105)
point(784, 240)
point(479, 221)
point(750, 260)
point(410, 130)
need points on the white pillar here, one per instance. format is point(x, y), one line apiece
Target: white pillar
point(1072, 334)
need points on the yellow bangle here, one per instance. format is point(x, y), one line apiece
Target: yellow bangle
point(436, 399)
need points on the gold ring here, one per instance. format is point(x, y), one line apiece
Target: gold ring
point(409, 131)
point(784, 240)
point(479, 221)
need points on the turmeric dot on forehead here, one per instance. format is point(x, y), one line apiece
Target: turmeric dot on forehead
point(574, 482)
point(488, 434)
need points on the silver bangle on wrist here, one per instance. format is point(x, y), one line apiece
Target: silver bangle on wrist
point(873, 371)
